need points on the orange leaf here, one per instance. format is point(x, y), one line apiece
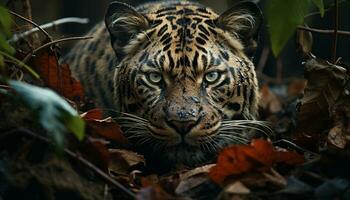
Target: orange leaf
point(57, 77)
point(106, 128)
point(97, 153)
point(93, 114)
point(260, 155)
point(289, 158)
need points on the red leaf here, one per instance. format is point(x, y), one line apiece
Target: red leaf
point(56, 76)
point(289, 158)
point(106, 128)
point(258, 156)
point(97, 153)
point(93, 114)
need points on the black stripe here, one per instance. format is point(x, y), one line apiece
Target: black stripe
point(205, 61)
point(202, 49)
point(195, 62)
point(162, 30)
point(171, 61)
point(203, 36)
point(165, 9)
point(200, 41)
point(165, 48)
point(165, 37)
point(203, 29)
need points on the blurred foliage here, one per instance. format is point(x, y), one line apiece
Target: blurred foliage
point(283, 18)
point(5, 31)
point(54, 114)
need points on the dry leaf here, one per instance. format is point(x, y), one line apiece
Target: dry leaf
point(268, 100)
point(304, 41)
point(97, 153)
point(336, 137)
point(325, 84)
point(57, 77)
point(123, 160)
point(106, 128)
point(258, 156)
point(237, 188)
point(94, 114)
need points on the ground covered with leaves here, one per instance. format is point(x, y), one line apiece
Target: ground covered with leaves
point(56, 144)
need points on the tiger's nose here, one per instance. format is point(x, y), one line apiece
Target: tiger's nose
point(182, 127)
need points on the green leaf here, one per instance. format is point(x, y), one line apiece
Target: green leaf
point(76, 125)
point(20, 64)
point(283, 17)
point(5, 21)
point(53, 112)
point(320, 5)
point(5, 46)
point(2, 62)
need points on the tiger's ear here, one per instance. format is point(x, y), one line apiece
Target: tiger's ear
point(123, 23)
point(243, 20)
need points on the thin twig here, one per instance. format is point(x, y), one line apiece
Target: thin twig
point(279, 70)
point(269, 79)
point(322, 31)
point(77, 157)
point(27, 12)
point(61, 40)
point(33, 23)
point(295, 146)
point(17, 37)
point(20, 64)
point(52, 43)
point(335, 35)
point(263, 59)
point(325, 10)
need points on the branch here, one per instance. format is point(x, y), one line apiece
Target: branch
point(52, 43)
point(33, 23)
point(335, 35)
point(322, 31)
point(19, 36)
point(27, 12)
point(77, 157)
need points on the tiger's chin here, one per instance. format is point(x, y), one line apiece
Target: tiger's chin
point(164, 158)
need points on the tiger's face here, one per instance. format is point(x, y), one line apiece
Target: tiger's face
point(185, 84)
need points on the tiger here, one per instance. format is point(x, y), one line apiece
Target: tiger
point(178, 76)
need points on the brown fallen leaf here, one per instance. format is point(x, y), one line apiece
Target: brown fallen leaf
point(97, 153)
point(296, 87)
point(259, 156)
point(123, 160)
point(57, 77)
point(304, 42)
point(106, 128)
point(268, 100)
point(237, 187)
point(339, 134)
point(325, 84)
point(154, 192)
point(94, 114)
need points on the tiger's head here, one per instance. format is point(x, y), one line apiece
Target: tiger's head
point(185, 84)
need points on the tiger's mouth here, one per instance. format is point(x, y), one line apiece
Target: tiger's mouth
point(199, 144)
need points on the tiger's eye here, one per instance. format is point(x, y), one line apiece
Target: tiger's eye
point(155, 77)
point(211, 77)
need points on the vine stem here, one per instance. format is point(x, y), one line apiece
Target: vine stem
point(335, 33)
point(33, 23)
point(52, 43)
point(323, 31)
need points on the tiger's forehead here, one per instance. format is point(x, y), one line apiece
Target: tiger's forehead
point(176, 8)
point(183, 40)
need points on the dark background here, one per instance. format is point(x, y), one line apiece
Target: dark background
point(290, 62)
